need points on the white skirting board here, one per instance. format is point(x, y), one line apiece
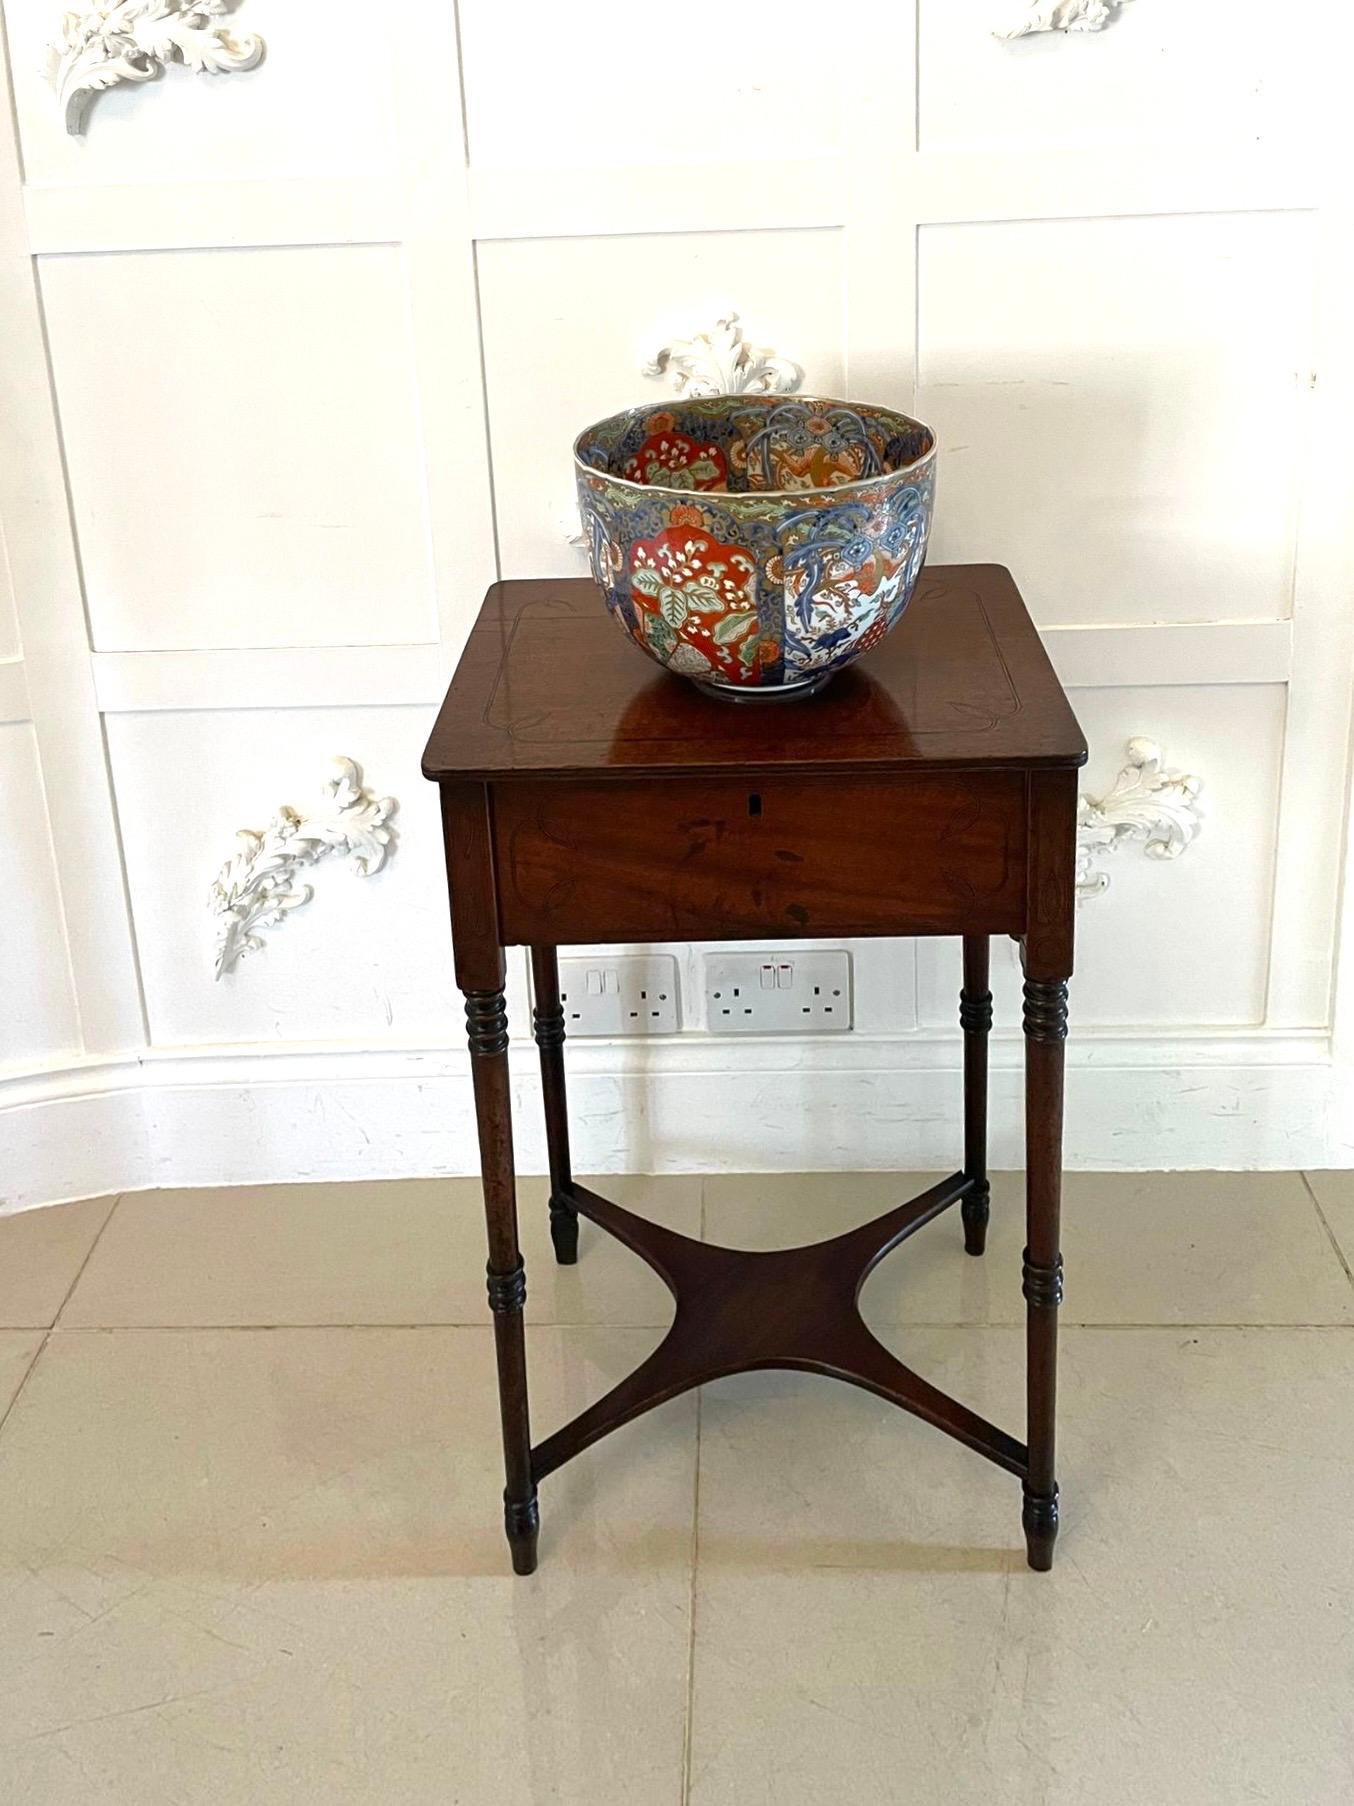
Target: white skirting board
point(231, 1117)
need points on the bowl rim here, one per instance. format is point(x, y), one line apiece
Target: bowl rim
point(722, 497)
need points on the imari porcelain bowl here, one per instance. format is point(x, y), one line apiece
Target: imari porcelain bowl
point(753, 543)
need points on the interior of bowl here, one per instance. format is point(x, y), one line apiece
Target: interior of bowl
point(753, 443)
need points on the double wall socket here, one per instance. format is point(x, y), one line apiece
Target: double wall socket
point(791, 993)
point(625, 994)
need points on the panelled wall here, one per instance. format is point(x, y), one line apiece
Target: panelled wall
point(291, 364)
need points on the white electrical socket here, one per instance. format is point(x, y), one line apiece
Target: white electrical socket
point(625, 994)
point(777, 993)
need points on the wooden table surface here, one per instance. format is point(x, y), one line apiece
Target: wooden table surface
point(548, 685)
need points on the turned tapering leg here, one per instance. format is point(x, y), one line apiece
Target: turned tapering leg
point(547, 1022)
point(1045, 1040)
point(975, 1018)
point(487, 1025)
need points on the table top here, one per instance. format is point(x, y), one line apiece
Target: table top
point(549, 687)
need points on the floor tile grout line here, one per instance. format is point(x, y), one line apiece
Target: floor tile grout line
point(485, 1323)
point(47, 1334)
point(89, 1255)
point(909, 1323)
point(22, 1386)
point(695, 1563)
point(1325, 1224)
point(1268, 1324)
point(692, 1610)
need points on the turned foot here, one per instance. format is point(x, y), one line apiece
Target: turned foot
point(522, 1521)
point(564, 1230)
point(975, 1210)
point(1040, 1520)
point(975, 1018)
point(547, 1022)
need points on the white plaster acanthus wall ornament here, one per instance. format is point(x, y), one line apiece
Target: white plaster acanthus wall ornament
point(135, 40)
point(258, 885)
point(1148, 805)
point(721, 362)
point(1061, 15)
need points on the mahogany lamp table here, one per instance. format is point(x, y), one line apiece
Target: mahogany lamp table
point(588, 797)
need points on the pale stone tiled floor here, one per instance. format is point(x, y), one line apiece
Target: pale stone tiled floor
point(249, 1543)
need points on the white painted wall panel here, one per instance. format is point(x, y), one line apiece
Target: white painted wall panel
point(367, 960)
point(1165, 70)
point(1120, 406)
point(1183, 943)
point(38, 1021)
point(570, 323)
point(241, 435)
point(10, 646)
point(615, 83)
point(319, 104)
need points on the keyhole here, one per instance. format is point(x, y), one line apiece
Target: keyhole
point(754, 804)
